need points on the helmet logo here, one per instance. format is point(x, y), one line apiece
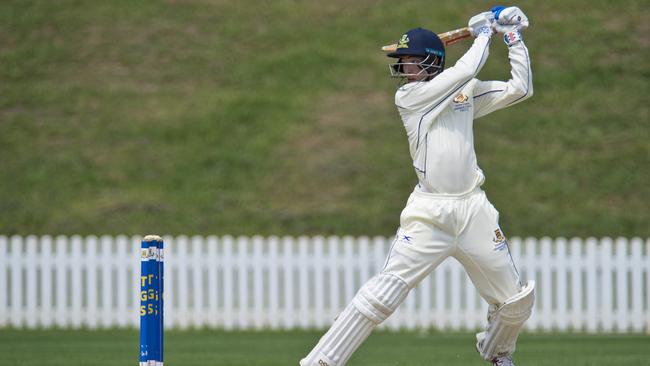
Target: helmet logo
point(403, 42)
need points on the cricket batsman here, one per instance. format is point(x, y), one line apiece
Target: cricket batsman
point(447, 214)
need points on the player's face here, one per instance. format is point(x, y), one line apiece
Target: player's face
point(413, 71)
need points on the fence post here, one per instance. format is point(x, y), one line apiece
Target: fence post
point(274, 287)
point(647, 283)
point(228, 288)
point(289, 311)
point(90, 313)
point(31, 265)
point(593, 256)
point(4, 292)
point(531, 267)
point(304, 263)
point(319, 287)
point(15, 263)
point(259, 315)
point(213, 264)
point(197, 264)
point(348, 269)
point(561, 269)
point(636, 265)
point(181, 256)
point(577, 318)
point(45, 311)
point(622, 307)
point(606, 293)
point(334, 265)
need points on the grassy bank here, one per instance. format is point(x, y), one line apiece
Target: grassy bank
point(192, 117)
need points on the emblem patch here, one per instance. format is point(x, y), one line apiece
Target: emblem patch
point(461, 103)
point(461, 98)
point(403, 42)
point(499, 240)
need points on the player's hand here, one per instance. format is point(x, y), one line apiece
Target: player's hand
point(481, 24)
point(509, 19)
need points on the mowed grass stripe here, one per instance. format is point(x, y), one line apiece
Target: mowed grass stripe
point(219, 348)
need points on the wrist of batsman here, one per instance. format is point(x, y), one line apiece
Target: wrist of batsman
point(484, 30)
point(512, 37)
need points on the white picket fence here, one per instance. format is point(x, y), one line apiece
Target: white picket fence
point(593, 285)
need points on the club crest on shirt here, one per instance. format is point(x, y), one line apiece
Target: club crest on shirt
point(461, 98)
point(499, 240)
point(461, 102)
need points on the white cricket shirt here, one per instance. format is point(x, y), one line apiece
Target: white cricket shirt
point(438, 116)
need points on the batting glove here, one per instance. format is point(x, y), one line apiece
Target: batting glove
point(481, 24)
point(509, 19)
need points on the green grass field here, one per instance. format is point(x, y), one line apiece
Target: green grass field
point(218, 348)
point(242, 117)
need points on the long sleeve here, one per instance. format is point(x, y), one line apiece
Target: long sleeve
point(490, 96)
point(424, 96)
point(420, 102)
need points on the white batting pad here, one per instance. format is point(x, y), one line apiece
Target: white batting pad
point(380, 296)
point(505, 323)
point(336, 347)
point(374, 302)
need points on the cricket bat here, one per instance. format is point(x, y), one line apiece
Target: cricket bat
point(448, 38)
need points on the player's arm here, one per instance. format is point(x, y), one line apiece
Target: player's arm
point(490, 96)
point(436, 94)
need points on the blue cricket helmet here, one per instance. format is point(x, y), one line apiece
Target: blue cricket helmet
point(424, 43)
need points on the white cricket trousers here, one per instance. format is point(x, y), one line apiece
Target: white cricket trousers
point(466, 227)
point(432, 228)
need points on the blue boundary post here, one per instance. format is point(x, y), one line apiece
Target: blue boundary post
point(145, 274)
point(151, 319)
point(161, 298)
point(153, 298)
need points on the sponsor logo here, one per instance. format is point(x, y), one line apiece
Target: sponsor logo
point(403, 237)
point(323, 363)
point(512, 37)
point(434, 51)
point(403, 42)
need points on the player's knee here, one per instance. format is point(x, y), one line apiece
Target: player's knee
point(519, 307)
point(380, 296)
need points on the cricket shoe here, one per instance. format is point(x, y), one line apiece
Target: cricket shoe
point(503, 361)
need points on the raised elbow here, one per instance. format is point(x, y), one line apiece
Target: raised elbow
point(523, 91)
point(528, 92)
